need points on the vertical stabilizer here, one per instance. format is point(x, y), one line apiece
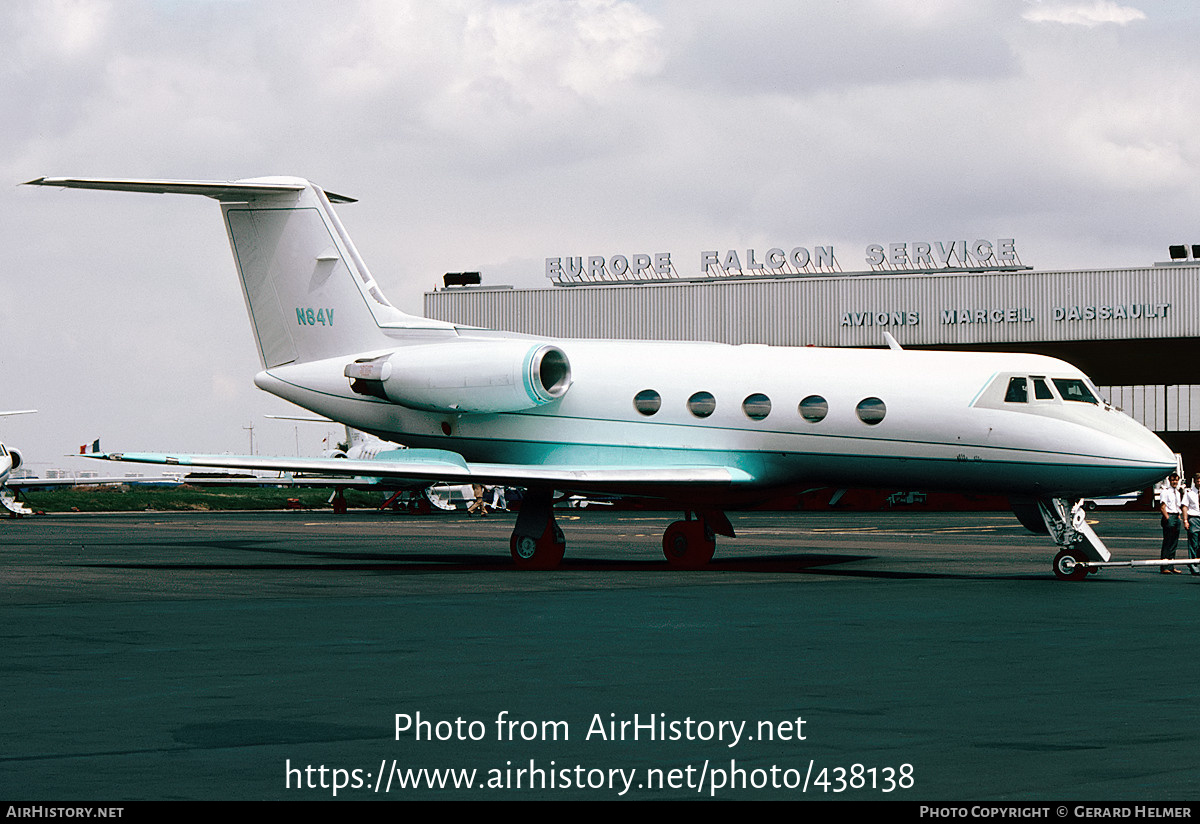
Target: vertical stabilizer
point(308, 293)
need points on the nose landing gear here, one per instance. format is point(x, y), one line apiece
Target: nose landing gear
point(1078, 543)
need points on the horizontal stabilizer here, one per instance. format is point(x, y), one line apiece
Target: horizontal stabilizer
point(218, 189)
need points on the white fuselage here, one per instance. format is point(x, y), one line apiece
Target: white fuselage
point(768, 417)
point(940, 419)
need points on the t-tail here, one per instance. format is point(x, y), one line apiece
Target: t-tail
point(309, 294)
point(323, 327)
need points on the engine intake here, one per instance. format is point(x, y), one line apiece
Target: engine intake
point(465, 376)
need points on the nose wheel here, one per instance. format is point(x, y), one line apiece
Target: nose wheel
point(1067, 566)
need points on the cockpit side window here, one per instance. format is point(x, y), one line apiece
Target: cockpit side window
point(1073, 389)
point(1018, 391)
point(1041, 391)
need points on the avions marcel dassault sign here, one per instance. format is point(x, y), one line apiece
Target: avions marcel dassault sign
point(1010, 314)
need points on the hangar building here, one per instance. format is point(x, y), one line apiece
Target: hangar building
point(1133, 330)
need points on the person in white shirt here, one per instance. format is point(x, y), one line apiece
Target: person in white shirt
point(1170, 507)
point(1191, 520)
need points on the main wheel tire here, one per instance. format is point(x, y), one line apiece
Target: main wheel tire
point(689, 544)
point(541, 553)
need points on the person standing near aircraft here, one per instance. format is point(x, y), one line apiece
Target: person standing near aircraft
point(478, 505)
point(1170, 507)
point(499, 504)
point(1191, 520)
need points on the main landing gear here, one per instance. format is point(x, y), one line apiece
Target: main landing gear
point(338, 499)
point(538, 543)
point(690, 543)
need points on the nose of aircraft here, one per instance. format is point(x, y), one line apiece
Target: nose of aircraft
point(1114, 454)
point(1162, 456)
point(1139, 447)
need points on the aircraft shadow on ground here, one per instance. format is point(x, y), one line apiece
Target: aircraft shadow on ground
point(318, 560)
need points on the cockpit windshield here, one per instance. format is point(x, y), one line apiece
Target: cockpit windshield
point(1017, 393)
point(1073, 389)
point(1009, 391)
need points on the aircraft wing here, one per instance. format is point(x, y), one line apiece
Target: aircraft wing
point(438, 466)
point(46, 483)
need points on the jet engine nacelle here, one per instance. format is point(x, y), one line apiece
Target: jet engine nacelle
point(16, 457)
point(465, 376)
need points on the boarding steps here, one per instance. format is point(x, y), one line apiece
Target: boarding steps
point(9, 501)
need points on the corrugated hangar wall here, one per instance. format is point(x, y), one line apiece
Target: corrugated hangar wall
point(1145, 317)
point(920, 310)
point(1174, 408)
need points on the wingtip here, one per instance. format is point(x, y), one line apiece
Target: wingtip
point(62, 182)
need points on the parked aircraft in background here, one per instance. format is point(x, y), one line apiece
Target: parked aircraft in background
point(703, 426)
point(357, 446)
point(10, 460)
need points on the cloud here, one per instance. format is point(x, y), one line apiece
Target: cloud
point(1084, 14)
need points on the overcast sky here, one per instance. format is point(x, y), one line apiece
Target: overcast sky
point(490, 135)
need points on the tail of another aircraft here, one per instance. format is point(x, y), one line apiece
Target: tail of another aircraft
point(307, 290)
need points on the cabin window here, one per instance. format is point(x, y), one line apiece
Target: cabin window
point(814, 408)
point(1073, 389)
point(756, 406)
point(1041, 391)
point(647, 401)
point(870, 411)
point(1018, 391)
point(702, 404)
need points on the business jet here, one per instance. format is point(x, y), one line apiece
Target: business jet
point(358, 446)
point(10, 461)
point(705, 427)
